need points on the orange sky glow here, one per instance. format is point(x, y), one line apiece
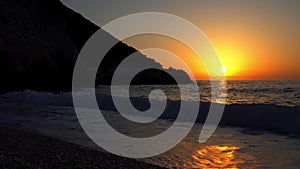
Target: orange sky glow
point(255, 39)
point(242, 58)
point(246, 52)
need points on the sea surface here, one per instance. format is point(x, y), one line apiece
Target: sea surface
point(270, 107)
point(282, 93)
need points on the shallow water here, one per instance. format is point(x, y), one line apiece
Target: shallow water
point(227, 148)
point(232, 148)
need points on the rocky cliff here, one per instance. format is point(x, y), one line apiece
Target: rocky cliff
point(39, 44)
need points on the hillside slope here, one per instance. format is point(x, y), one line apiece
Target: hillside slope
point(39, 44)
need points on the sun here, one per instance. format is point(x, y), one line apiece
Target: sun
point(232, 59)
point(223, 70)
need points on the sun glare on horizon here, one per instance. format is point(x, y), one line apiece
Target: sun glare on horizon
point(223, 70)
point(232, 58)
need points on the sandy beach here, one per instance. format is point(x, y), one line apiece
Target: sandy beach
point(22, 148)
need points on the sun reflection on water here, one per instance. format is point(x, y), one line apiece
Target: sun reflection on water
point(220, 93)
point(225, 157)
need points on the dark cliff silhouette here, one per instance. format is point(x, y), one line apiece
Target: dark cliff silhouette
point(39, 44)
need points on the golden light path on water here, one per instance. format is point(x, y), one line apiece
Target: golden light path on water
point(210, 157)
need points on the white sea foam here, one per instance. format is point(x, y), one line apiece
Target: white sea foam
point(260, 116)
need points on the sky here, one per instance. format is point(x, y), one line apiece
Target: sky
point(255, 39)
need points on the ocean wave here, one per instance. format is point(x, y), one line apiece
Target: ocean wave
point(259, 116)
point(38, 98)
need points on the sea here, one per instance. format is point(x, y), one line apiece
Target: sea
point(260, 127)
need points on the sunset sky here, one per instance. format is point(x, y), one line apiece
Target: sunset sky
point(255, 39)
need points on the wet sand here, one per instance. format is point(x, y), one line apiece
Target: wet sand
point(20, 148)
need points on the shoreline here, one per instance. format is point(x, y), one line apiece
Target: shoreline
point(23, 148)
